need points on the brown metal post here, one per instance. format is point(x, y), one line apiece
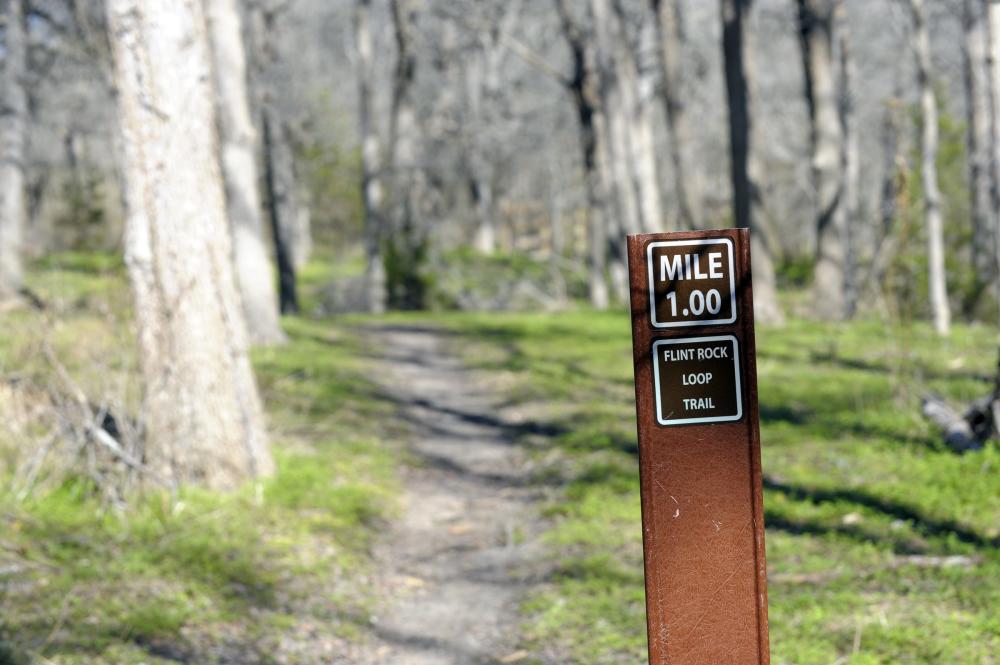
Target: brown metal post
point(699, 448)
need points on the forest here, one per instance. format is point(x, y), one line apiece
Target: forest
point(314, 322)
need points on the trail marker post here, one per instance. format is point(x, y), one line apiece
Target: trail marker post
point(699, 448)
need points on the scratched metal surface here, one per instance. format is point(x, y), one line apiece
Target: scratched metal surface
point(702, 506)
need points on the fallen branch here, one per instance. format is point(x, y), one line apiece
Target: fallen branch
point(958, 432)
point(972, 429)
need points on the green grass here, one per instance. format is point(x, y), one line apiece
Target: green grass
point(166, 577)
point(860, 493)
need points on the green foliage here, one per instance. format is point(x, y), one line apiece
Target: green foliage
point(408, 279)
point(861, 494)
point(795, 271)
point(82, 223)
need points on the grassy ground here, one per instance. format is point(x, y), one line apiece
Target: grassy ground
point(864, 506)
point(882, 544)
point(273, 573)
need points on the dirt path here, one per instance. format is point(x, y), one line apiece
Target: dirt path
point(455, 565)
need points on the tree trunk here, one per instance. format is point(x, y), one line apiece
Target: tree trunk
point(298, 230)
point(279, 181)
point(479, 161)
point(277, 156)
point(631, 148)
point(745, 194)
point(203, 417)
point(371, 162)
point(408, 242)
point(640, 80)
point(686, 177)
point(928, 156)
point(977, 106)
point(584, 86)
point(13, 128)
point(852, 176)
point(993, 86)
point(239, 170)
point(816, 33)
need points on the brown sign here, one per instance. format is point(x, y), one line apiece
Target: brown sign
point(697, 380)
point(691, 282)
point(699, 448)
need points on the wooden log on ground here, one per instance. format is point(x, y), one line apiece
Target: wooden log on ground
point(961, 433)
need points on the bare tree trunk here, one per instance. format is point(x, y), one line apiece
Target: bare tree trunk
point(484, 86)
point(480, 163)
point(631, 147)
point(13, 128)
point(978, 142)
point(584, 86)
point(408, 246)
point(852, 176)
point(278, 160)
point(280, 211)
point(686, 177)
point(203, 417)
point(993, 86)
point(617, 154)
point(745, 194)
point(239, 169)
point(486, 229)
point(640, 80)
point(928, 154)
point(892, 193)
point(816, 32)
point(297, 223)
point(371, 162)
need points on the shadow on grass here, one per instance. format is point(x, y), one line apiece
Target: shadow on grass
point(9, 656)
point(876, 367)
point(921, 523)
point(512, 432)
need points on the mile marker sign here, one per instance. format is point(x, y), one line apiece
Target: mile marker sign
point(699, 447)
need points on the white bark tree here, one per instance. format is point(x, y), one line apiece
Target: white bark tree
point(408, 242)
point(852, 174)
point(631, 150)
point(687, 182)
point(202, 413)
point(993, 87)
point(13, 127)
point(584, 86)
point(238, 144)
point(977, 108)
point(638, 80)
point(281, 188)
point(486, 107)
point(928, 160)
point(817, 22)
point(371, 162)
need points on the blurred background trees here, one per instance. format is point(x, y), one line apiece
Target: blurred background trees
point(458, 135)
point(492, 155)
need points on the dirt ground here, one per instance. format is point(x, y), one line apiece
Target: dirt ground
point(453, 568)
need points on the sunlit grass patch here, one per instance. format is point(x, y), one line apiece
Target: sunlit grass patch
point(882, 543)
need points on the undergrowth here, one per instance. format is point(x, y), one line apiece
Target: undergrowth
point(195, 576)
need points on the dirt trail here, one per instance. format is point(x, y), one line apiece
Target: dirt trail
point(455, 565)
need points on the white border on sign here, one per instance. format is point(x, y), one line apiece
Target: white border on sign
point(736, 368)
point(652, 291)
